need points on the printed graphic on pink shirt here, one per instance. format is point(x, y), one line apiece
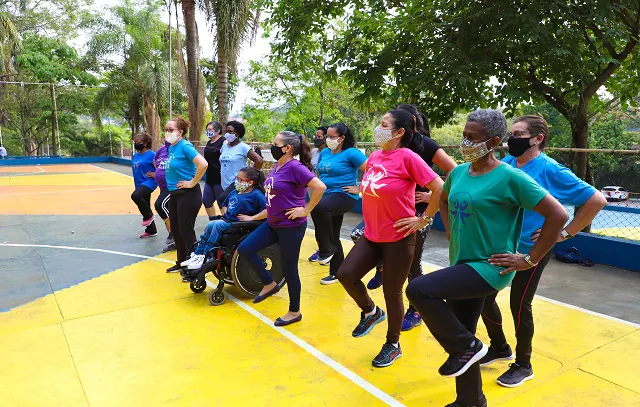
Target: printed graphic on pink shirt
point(371, 180)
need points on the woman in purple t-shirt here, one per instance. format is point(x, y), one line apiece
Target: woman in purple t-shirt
point(286, 214)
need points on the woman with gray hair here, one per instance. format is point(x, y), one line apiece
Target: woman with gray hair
point(286, 214)
point(481, 206)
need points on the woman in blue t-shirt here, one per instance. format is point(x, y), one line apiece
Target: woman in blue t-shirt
point(143, 178)
point(234, 154)
point(183, 170)
point(338, 168)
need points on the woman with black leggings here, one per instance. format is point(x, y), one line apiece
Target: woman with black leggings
point(482, 204)
point(184, 169)
point(143, 178)
point(388, 203)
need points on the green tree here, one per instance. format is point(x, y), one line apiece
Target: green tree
point(444, 55)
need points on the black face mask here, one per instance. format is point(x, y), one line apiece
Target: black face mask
point(318, 142)
point(139, 146)
point(277, 152)
point(518, 146)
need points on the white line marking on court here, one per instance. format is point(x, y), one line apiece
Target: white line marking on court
point(115, 172)
point(66, 191)
point(40, 168)
point(87, 249)
point(354, 378)
point(586, 311)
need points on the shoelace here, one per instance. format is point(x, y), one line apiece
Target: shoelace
point(513, 368)
point(387, 349)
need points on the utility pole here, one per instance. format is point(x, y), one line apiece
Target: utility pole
point(55, 130)
point(170, 61)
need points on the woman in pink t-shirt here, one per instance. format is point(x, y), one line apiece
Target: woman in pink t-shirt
point(388, 207)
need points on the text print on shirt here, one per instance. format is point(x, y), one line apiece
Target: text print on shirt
point(268, 185)
point(460, 208)
point(232, 203)
point(372, 178)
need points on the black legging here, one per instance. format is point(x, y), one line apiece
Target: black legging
point(450, 301)
point(142, 198)
point(162, 203)
point(327, 219)
point(523, 288)
point(184, 206)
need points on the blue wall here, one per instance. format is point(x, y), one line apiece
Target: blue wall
point(44, 160)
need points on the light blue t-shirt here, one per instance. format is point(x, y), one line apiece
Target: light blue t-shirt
point(561, 183)
point(179, 165)
point(340, 169)
point(232, 160)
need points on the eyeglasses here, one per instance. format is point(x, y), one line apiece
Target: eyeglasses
point(170, 130)
point(334, 137)
point(518, 134)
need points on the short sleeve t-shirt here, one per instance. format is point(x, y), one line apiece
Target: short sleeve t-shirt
point(388, 191)
point(232, 160)
point(561, 183)
point(141, 164)
point(179, 166)
point(429, 149)
point(249, 204)
point(161, 157)
point(485, 216)
point(340, 169)
point(212, 153)
point(315, 154)
point(285, 188)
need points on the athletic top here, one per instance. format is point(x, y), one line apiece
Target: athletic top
point(212, 155)
point(485, 216)
point(340, 169)
point(3, 152)
point(388, 191)
point(286, 189)
point(429, 149)
point(141, 164)
point(251, 203)
point(315, 154)
point(161, 157)
point(561, 183)
point(179, 166)
point(232, 160)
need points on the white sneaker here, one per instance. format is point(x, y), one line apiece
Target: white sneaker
point(196, 263)
point(186, 262)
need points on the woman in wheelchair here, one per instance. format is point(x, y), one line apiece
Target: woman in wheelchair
point(286, 215)
point(247, 199)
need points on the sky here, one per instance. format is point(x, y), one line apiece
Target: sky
point(257, 51)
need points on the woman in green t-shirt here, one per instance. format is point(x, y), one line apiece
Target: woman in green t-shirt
point(481, 206)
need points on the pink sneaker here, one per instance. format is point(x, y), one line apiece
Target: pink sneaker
point(149, 221)
point(145, 235)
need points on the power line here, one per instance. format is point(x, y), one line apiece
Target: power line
point(48, 84)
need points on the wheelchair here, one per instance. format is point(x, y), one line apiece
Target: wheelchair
point(224, 262)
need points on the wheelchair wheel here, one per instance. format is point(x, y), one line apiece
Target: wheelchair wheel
point(247, 280)
point(198, 286)
point(216, 297)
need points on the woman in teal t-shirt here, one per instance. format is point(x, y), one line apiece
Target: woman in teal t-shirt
point(481, 205)
point(338, 167)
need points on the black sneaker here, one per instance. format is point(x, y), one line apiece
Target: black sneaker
point(387, 355)
point(174, 269)
point(515, 376)
point(458, 363)
point(366, 324)
point(329, 280)
point(494, 355)
point(482, 403)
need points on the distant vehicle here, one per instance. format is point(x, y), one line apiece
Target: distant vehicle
point(615, 194)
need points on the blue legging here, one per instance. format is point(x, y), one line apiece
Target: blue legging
point(289, 240)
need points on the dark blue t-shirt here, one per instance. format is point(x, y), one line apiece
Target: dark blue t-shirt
point(250, 204)
point(141, 164)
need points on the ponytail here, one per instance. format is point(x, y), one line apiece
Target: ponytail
point(300, 146)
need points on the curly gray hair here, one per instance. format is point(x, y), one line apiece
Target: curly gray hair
point(493, 121)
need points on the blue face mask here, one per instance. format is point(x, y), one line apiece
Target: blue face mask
point(211, 134)
point(230, 137)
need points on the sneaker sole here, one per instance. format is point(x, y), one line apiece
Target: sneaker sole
point(323, 282)
point(482, 353)
point(515, 384)
point(148, 236)
point(326, 261)
point(497, 360)
point(388, 363)
point(146, 223)
point(382, 318)
point(411, 327)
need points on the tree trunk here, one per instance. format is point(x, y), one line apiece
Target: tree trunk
point(54, 120)
point(134, 110)
point(152, 121)
point(580, 136)
point(223, 87)
point(193, 69)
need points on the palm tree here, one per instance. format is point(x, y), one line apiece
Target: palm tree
point(234, 22)
point(10, 42)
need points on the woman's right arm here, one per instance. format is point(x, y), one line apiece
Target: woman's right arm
point(257, 160)
point(257, 216)
point(444, 212)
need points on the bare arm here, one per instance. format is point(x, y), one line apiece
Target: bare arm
point(201, 167)
point(413, 223)
point(258, 216)
point(435, 187)
point(443, 161)
point(587, 213)
point(257, 160)
point(444, 212)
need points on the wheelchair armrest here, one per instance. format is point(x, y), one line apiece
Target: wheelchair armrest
point(253, 224)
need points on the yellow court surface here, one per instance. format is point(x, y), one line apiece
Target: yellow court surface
point(133, 335)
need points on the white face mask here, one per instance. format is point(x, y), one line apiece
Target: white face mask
point(381, 136)
point(230, 137)
point(332, 144)
point(171, 137)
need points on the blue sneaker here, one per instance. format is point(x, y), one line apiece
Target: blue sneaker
point(376, 281)
point(315, 256)
point(411, 320)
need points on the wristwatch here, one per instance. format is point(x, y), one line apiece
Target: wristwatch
point(427, 218)
point(566, 235)
point(527, 258)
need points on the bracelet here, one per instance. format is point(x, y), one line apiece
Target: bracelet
point(427, 218)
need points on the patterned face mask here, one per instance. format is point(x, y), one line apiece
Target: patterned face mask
point(211, 134)
point(472, 152)
point(242, 186)
point(381, 136)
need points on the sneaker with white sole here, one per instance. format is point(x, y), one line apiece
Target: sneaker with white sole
point(196, 262)
point(330, 279)
point(146, 235)
point(149, 221)
point(515, 376)
point(314, 256)
point(366, 324)
point(497, 354)
point(458, 363)
point(325, 260)
point(186, 262)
